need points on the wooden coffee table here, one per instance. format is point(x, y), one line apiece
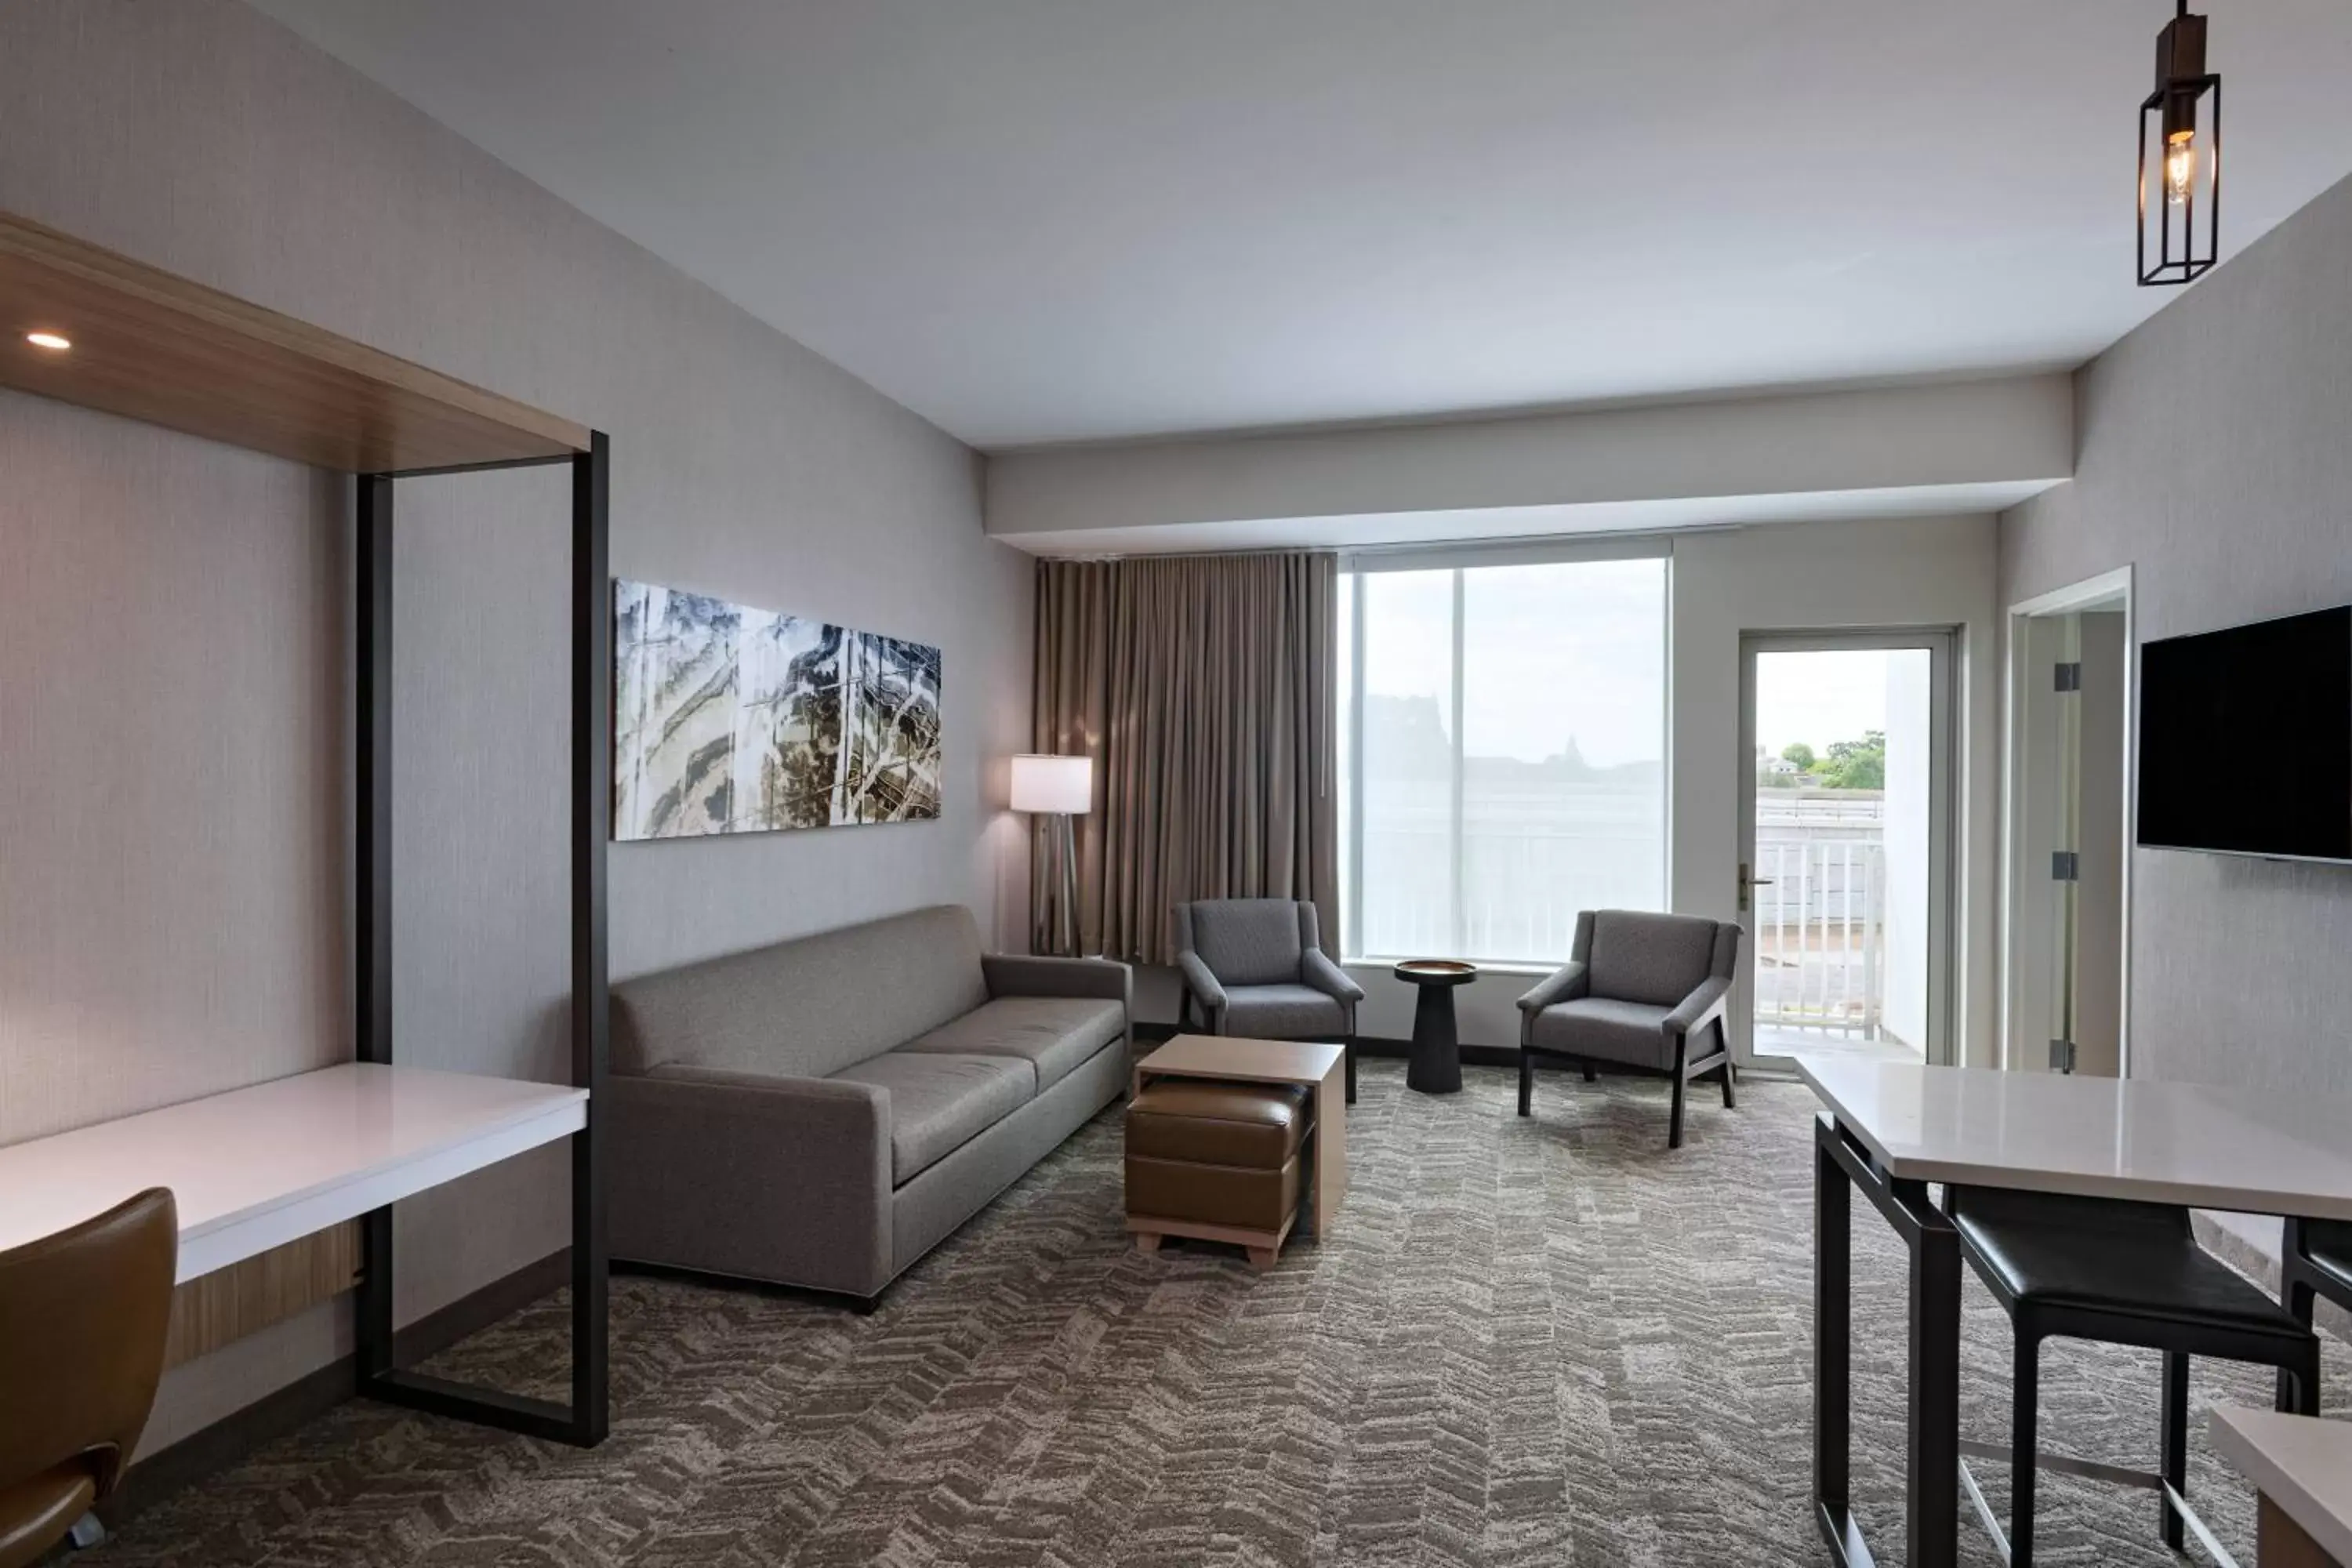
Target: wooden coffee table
point(1322, 1069)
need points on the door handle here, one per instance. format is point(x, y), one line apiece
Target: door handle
point(1747, 882)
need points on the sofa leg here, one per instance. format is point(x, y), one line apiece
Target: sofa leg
point(1527, 1082)
point(1348, 1045)
point(1262, 1258)
point(1147, 1242)
point(1592, 1073)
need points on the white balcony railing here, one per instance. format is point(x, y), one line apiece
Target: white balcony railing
point(1821, 934)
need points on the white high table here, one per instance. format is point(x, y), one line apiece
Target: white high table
point(1892, 1128)
point(258, 1167)
point(2302, 1466)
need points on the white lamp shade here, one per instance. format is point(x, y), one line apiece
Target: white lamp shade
point(1062, 784)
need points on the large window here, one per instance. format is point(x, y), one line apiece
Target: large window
point(1503, 752)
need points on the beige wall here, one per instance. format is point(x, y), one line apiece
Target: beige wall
point(173, 683)
point(1719, 460)
point(2213, 460)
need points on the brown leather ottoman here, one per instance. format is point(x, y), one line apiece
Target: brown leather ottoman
point(1218, 1161)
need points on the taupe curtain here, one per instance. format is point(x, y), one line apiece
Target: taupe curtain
point(1204, 689)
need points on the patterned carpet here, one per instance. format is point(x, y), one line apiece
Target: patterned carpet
point(1545, 1342)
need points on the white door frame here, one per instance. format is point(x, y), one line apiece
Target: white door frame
point(2101, 592)
point(1943, 644)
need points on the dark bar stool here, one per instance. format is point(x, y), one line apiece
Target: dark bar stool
point(2125, 1274)
point(2315, 1261)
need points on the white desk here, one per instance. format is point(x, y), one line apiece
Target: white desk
point(2302, 1466)
point(2094, 1137)
point(1892, 1128)
point(256, 1168)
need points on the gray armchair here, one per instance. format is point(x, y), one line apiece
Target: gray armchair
point(1257, 969)
point(1637, 989)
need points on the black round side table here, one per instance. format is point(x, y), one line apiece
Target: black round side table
point(1436, 1066)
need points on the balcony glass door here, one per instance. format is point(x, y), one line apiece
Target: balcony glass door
point(1844, 877)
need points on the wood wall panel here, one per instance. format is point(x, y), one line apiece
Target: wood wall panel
point(156, 347)
point(227, 1304)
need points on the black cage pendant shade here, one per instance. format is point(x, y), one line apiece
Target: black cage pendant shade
point(2180, 159)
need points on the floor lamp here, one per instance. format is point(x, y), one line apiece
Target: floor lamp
point(1060, 788)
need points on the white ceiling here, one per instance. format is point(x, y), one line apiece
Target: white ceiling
point(1048, 220)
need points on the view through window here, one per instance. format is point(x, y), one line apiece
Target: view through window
point(1504, 754)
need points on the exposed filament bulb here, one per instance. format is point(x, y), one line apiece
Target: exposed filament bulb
point(2179, 167)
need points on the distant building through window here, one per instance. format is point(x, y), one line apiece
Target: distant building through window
point(1504, 753)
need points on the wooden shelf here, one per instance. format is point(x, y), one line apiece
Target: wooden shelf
point(155, 347)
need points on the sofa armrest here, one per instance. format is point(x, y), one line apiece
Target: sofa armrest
point(1315, 967)
point(1562, 984)
point(1014, 974)
point(768, 1177)
point(1205, 987)
point(1700, 1007)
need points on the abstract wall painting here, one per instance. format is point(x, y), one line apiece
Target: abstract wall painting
point(733, 720)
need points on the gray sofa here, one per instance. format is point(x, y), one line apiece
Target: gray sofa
point(824, 1112)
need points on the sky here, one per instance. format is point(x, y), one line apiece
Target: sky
point(1552, 652)
point(1578, 649)
point(1827, 696)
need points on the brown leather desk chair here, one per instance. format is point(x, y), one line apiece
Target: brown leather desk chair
point(82, 1318)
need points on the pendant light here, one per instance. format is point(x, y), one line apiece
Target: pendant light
point(2180, 159)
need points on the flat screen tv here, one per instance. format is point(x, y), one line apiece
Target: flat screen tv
point(2245, 738)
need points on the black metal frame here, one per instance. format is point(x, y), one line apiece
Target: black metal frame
point(1931, 1491)
point(2303, 1282)
point(2182, 84)
point(585, 1419)
point(2032, 1321)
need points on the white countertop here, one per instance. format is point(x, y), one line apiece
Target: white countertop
point(2160, 1143)
point(256, 1167)
point(2302, 1463)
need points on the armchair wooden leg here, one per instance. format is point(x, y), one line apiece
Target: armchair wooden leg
point(1730, 1086)
point(1350, 1046)
point(1682, 1085)
point(1527, 1082)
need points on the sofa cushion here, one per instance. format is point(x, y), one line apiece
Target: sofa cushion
point(1052, 1033)
point(939, 1103)
point(806, 1009)
point(1654, 958)
point(1606, 1029)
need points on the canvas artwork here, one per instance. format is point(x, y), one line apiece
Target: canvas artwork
point(733, 720)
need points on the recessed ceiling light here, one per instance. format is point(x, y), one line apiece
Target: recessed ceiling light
point(49, 340)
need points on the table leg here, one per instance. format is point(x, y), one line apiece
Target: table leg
point(1436, 1065)
point(1931, 1483)
point(1330, 1147)
point(1834, 1354)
